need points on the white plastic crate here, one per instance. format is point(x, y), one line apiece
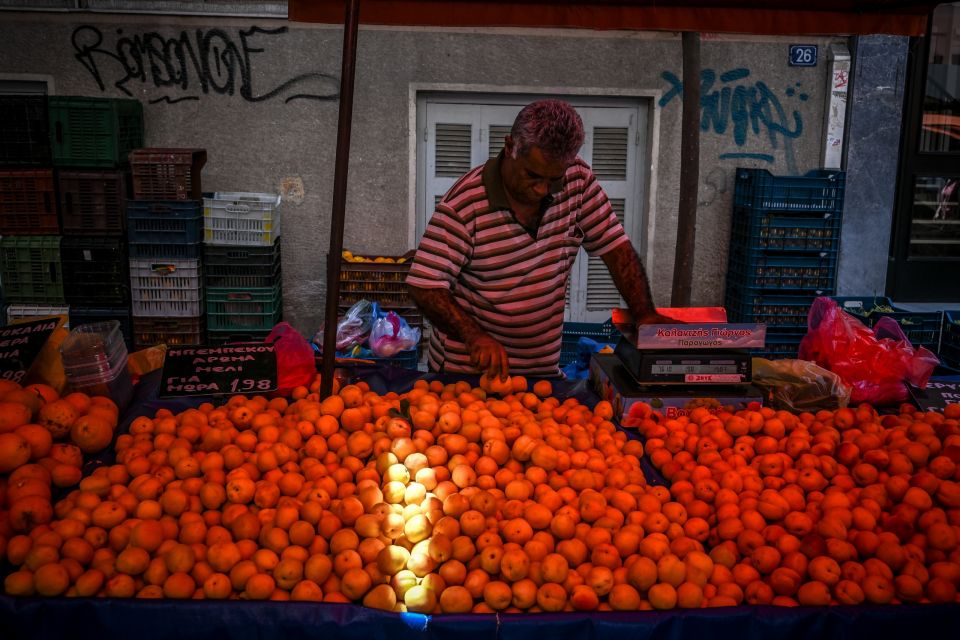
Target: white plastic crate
point(241, 219)
point(26, 311)
point(166, 288)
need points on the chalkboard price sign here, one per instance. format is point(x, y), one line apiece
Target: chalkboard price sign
point(939, 393)
point(20, 344)
point(230, 369)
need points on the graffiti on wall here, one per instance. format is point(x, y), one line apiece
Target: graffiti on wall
point(745, 110)
point(190, 64)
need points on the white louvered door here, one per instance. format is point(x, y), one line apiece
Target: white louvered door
point(458, 133)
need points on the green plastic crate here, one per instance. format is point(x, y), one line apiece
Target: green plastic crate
point(243, 310)
point(30, 269)
point(94, 132)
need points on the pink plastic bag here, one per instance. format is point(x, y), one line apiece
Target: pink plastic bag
point(295, 363)
point(874, 362)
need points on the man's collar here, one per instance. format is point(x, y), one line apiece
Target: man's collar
point(493, 183)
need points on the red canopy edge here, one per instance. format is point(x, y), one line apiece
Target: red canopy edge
point(813, 17)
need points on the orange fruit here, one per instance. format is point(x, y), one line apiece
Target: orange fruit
point(15, 451)
point(91, 433)
point(57, 417)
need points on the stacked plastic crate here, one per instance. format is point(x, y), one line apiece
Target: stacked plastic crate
point(242, 281)
point(91, 140)
point(784, 245)
point(165, 232)
point(29, 249)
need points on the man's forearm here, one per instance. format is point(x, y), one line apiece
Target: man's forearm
point(631, 279)
point(444, 312)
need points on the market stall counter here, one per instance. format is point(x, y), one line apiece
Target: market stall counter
point(144, 619)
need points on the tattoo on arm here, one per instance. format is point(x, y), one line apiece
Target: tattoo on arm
point(631, 279)
point(444, 312)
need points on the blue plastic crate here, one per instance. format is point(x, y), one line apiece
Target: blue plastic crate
point(815, 274)
point(779, 345)
point(770, 230)
point(818, 190)
point(785, 313)
point(164, 221)
point(951, 328)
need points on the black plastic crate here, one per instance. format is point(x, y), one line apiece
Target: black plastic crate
point(95, 271)
point(164, 222)
point(950, 355)
point(94, 132)
point(922, 328)
point(818, 190)
point(28, 203)
point(786, 313)
point(802, 231)
point(148, 332)
point(93, 203)
point(815, 274)
point(90, 315)
point(951, 328)
point(241, 267)
point(24, 131)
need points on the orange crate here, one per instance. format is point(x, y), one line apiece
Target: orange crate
point(380, 282)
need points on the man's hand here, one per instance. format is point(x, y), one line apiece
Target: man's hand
point(489, 356)
point(657, 318)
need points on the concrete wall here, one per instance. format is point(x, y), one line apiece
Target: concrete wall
point(264, 105)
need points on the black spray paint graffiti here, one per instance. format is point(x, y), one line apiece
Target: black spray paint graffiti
point(751, 108)
point(211, 61)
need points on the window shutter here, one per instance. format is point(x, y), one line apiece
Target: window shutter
point(497, 131)
point(610, 153)
point(453, 149)
point(602, 294)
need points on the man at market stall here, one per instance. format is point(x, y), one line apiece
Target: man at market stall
point(491, 270)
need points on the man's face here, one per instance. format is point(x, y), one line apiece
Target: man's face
point(530, 177)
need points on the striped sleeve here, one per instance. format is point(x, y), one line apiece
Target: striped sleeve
point(443, 251)
point(602, 232)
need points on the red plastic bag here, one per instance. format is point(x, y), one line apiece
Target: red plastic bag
point(874, 362)
point(295, 363)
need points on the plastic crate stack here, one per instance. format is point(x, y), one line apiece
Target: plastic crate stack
point(92, 139)
point(784, 245)
point(165, 234)
point(41, 207)
point(242, 280)
point(29, 249)
point(366, 278)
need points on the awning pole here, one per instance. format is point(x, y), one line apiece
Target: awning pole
point(689, 173)
point(344, 120)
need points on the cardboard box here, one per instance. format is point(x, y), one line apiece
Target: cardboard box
point(611, 382)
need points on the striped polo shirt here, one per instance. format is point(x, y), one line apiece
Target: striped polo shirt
point(511, 282)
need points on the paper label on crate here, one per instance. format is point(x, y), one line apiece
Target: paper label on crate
point(701, 336)
point(20, 344)
point(248, 368)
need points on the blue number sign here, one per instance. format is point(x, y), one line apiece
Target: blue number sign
point(803, 55)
